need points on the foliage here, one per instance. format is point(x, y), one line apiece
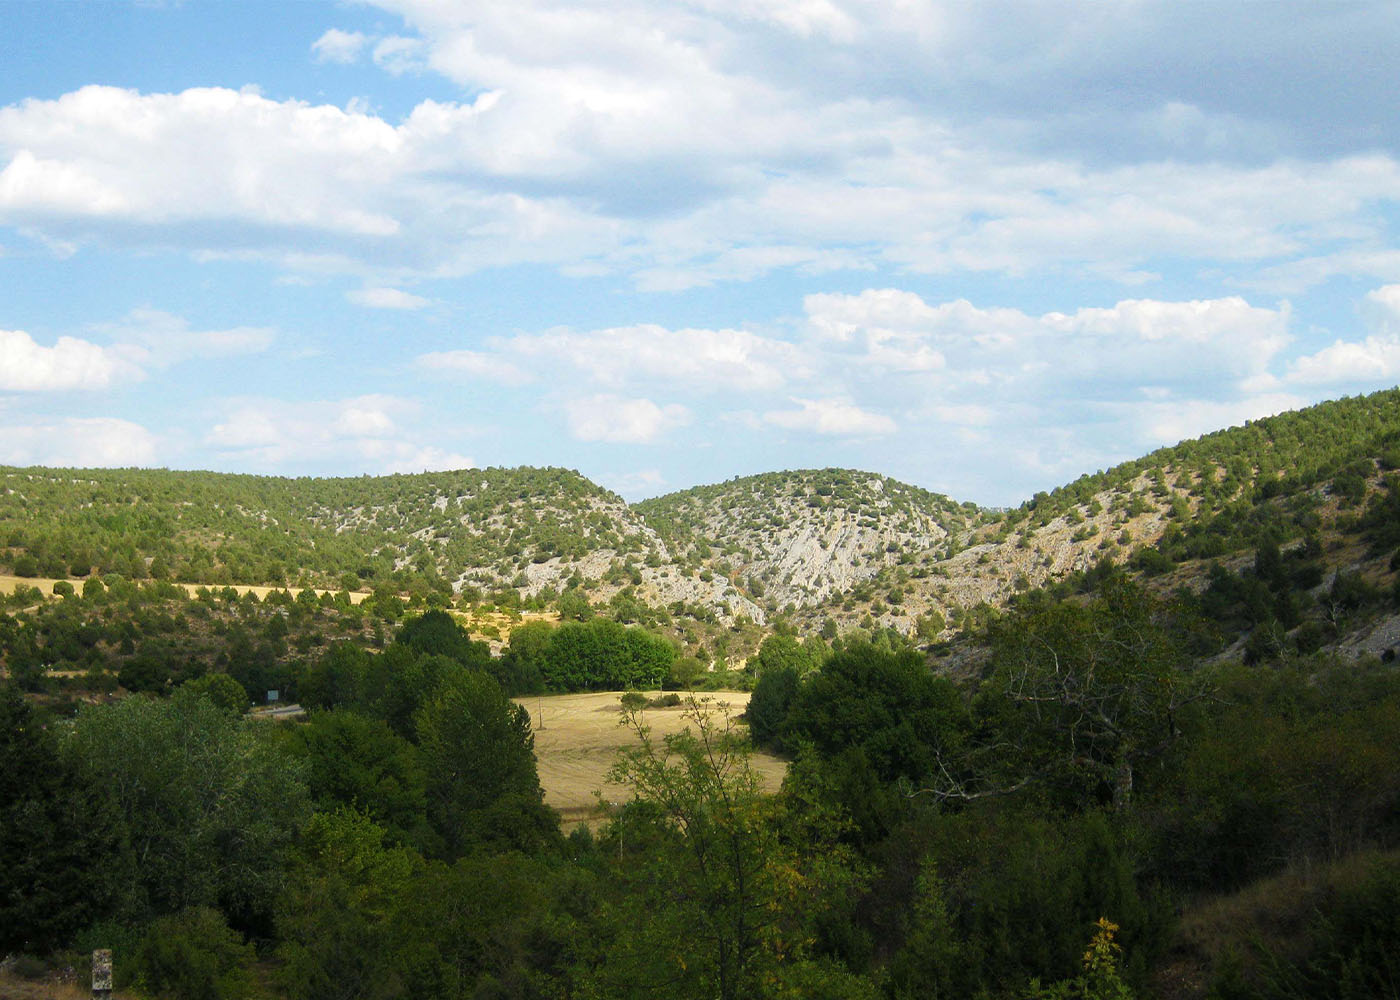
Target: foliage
point(718, 882)
point(193, 955)
point(207, 807)
point(478, 755)
point(1099, 980)
point(56, 836)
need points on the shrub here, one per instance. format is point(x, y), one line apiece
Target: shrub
point(193, 955)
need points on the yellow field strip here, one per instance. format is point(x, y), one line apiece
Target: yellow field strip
point(9, 584)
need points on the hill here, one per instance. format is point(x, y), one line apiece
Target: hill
point(831, 548)
point(796, 539)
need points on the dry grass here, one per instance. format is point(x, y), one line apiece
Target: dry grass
point(9, 584)
point(1272, 912)
point(577, 737)
point(13, 987)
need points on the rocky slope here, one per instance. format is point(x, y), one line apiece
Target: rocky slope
point(796, 539)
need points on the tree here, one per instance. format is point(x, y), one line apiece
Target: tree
point(338, 918)
point(357, 762)
point(193, 955)
point(719, 886)
point(57, 840)
point(1080, 697)
point(478, 754)
point(208, 805)
point(436, 633)
point(222, 690)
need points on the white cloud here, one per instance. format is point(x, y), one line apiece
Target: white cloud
point(633, 486)
point(476, 364)
point(398, 55)
point(831, 416)
point(1179, 420)
point(656, 141)
point(1135, 340)
point(372, 433)
point(406, 457)
point(711, 360)
point(26, 366)
point(78, 442)
point(643, 355)
point(1346, 362)
point(337, 46)
point(622, 421)
point(153, 338)
point(1381, 309)
point(386, 298)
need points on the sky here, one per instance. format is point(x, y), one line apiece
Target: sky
point(981, 247)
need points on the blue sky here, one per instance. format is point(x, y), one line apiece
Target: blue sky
point(983, 248)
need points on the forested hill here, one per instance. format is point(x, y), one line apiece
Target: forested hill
point(441, 530)
point(833, 548)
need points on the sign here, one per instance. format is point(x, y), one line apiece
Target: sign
point(102, 971)
point(272, 696)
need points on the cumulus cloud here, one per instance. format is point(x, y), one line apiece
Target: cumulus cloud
point(337, 46)
point(371, 432)
point(635, 485)
point(398, 55)
point(670, 144)
point(617, 420)
point(1381, 309)
point(27, 366)
point(78, 442)
point(831, 416)
point(386, 298)
point(702, 360)
point(1179, 420)
point(1139, 341)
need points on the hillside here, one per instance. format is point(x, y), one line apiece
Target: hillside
point(479, 527)
point(799, 538)
point(827, 548)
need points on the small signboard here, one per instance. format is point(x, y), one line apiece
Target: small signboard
point(272, 696)
point(102, 972)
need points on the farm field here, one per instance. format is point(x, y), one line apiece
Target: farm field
point(8, 585)
point(577, 737)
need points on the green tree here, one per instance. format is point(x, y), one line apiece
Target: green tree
point(193, 955)
point(338, 919)
point(222, 690)
point(357, 762)
point(1080, 697)
point(478, 754)
point(208, 805)
point(57, 839)
point(715, 889)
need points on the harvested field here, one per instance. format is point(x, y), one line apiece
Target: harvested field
point(581, 734)
point(8, 585)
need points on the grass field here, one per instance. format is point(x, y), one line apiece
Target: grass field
point(8, 585)
point(577, 737)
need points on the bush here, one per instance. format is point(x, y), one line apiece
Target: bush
point(193, 955)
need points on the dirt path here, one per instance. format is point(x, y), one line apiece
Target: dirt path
point(579, 739)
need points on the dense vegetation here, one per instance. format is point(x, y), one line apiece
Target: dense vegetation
point(1172, 771)
point(933, 838)
point(356, 533)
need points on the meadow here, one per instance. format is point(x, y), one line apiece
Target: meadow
point(577, 737)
